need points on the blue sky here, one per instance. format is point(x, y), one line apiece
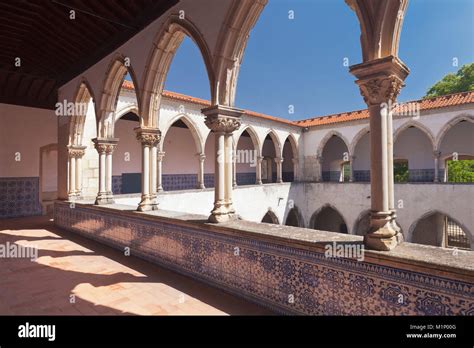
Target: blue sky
point(300, 62)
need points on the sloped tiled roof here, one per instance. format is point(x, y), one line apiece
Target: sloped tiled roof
point(186, 98)
point(424, 104)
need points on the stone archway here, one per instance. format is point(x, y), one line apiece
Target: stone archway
point(181, 160)
point(439, 229)
point(247, 153)
point(335, 158)
point(328, 218)
point(270, 218)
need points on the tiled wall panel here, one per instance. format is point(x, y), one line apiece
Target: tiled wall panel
point(19, 197)
point(284, 278)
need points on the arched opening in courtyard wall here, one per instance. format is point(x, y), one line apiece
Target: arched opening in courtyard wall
point(290, 158)
point(181, 156)
point(361, 157)
point(270, 218)
point(328, 218)
point(439, 229)
point(271, 155)
point(126, 171)
point(336, 160)
point(294, 218)
point(126, 167)
point(413, 155)
point(246, 158)
point(456, 150)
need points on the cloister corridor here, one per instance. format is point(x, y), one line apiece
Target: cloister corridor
point(101, 280)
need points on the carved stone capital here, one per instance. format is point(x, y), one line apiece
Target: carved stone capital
point(380, 89)
point(278, 160)
point(222, 119)
point(160, 155)
point(437, 154)
point(105, 145)
point(380, 80)
point(76, 151)
point(148, 136)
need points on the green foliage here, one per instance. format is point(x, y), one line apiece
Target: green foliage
point(461, 171)
point(462, 81)
point(400, 171)
point(346, 171)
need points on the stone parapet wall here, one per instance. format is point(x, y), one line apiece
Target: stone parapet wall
point(285, 268)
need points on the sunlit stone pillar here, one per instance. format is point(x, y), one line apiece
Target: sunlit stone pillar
point(223, 121)
point(149, 138)
point(159, 174)
point(234, 171)
point(201, 158)
point(351, 165)
point(258, 170)
point(380, 81)
point(105, 148)
point(75, 154)
point(108, 171)
point(436, 156)
point(279, 170)
point(72, 177)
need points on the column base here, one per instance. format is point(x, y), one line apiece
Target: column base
point(201, 187)
point(384, 233)
point(259, 182)
point(104, 198)
point(222, 212)
point(147, 204)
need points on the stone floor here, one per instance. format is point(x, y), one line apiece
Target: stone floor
point(76, 276)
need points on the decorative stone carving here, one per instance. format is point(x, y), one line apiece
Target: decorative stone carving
point(106, 146)
point(222, 124)
point(76, 152)
point(222, 119)
point(380, 89)
point(148, 137)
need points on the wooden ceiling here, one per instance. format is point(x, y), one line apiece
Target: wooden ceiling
point(53, 48)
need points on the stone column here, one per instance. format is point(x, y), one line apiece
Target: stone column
point(223, 120)
point(380, 81)
point(258, 170)
point(295, 169)
point(159, 175)
point(72, 177)
point(234, 172)
point(75, 154)
point(105, 148)
point(436, 156)
point(351, 164)
point(149, 138)
point(201, 158)
point(279, 177)
point(108, 170)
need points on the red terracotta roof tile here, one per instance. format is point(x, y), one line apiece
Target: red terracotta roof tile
point(424, 104)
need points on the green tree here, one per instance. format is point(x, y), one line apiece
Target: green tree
point(461, 171)
point(462, 81)
point(400, 171)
